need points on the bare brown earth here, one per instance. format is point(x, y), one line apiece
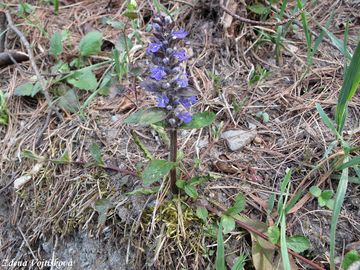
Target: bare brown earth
point(53, 215)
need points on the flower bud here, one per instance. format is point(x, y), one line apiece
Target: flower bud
point(172, 122)
point(166, 85)
point(167, 20)
point(166, 60)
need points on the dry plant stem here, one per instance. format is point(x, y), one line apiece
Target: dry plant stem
point(173, 154)
point(2, 31)
point(12, 57)
point(205, 203)
point(252, 22)
point(303, 186)
point(32, 61)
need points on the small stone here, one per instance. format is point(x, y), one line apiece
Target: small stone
point(251, 125)
point(237, 139)
point(258, 140)
point(202, 143)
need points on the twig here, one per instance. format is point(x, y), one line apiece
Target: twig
point(2, 31)
point(12, 57)
point(53, 253)
point(252, 22)
point(27, 243)
point(33, 64)
point(205, 203)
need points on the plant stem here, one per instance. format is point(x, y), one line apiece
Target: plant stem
point(173, 154)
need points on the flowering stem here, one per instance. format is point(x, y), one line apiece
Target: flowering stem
point(173, 154)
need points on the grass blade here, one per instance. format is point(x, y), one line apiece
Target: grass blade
point(339, 199)
point(220, 251)
point(351, 82)
point(327, 121)
point(305, 28)
point(351, 163)
point(338, 43)
point(284, 251)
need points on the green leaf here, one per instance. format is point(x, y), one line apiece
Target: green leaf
point(56, 4)
point(56, 47)
point(64, 159)
point(163, 134)
point(31, 155)
point(327, 194)
point(330, 204)
point(90, 44)
point(156, 170)
point(349, 87)
point(273, 233)
point(239, 262)
point(144, 191)
point(84, 80)
point(4, 113)
point(353, 162)
point(202, 213)
point(298, 243)
point(315, 191)
point(115, 24)
point(285, 181)
point(191, 191)
point(180, 184)
point(105, 85)
point(125, 44)
point(25, 8)
point(338, 43)
point(326, 119)
point(200, 120)
point(350, 257)
point(160, 7)
point(146, 117)
point(339, 199)
point(321, 202)
point(132, 15)
point(239, 205)
point(96, 154)
point(102, 206)
point(283, 244)
point(69, 101)
point(259, 9)
point(142, 147)
point(220, 251)
point(199, 179)
point(27, 89)
point(228, 223)
point(132, 5)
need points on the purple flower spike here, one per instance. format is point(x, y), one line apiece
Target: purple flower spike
point(187, 102)
point(163, 101)
point(157, 73)
point(154, 47)
point(183, 81)
point(180, 34)
point(184, 116)
point(180, 55)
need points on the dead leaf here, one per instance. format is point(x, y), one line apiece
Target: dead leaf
point(227, 19)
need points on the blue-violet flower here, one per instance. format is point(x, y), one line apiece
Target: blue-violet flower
point(167, 77)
